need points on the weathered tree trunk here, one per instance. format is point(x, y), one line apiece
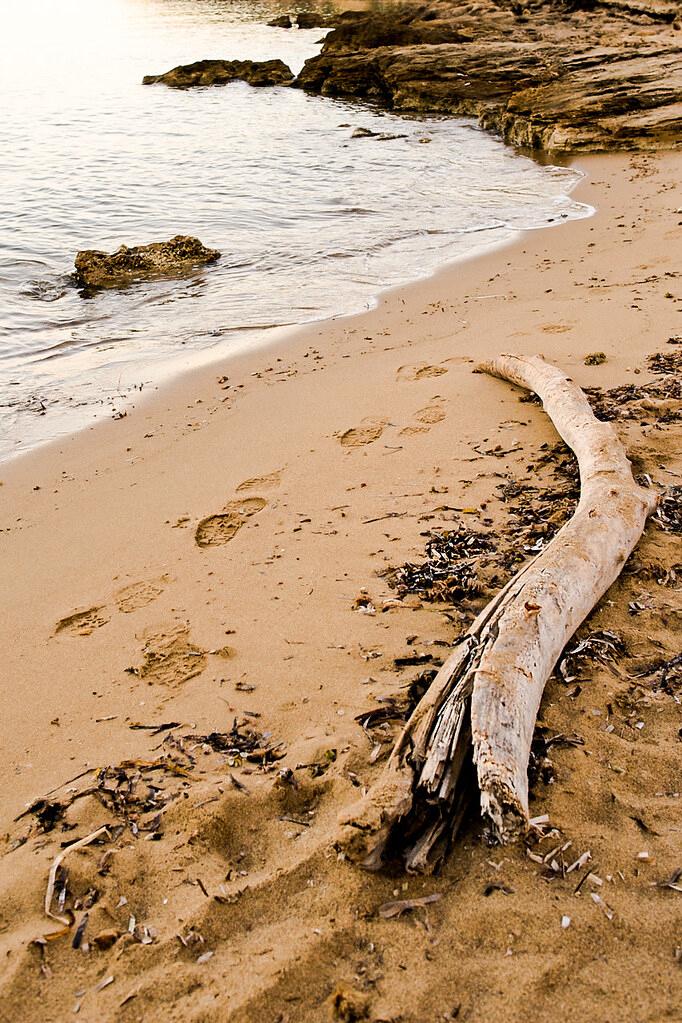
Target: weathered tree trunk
point(477, 719)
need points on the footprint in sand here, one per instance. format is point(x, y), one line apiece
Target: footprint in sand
point(82, 623)
point(216, 530)
point(426, 417)
point(272, 479)
point(169, 658)
point(431, 414)
point(420, 372)
point(137, 595)
point(359, 436)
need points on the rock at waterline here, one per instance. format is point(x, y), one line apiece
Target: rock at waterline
point(219, 72)
point(304, 19)
point(381, 136)
point(549, 76)
point(283, 21)
point(173, 258)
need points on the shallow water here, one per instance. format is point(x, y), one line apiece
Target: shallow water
point(310, 222)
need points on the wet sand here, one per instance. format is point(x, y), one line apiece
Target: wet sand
point(216, 541)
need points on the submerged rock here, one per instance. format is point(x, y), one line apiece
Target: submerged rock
point(96, 269)
point(382, 136)
point(545, 75)
point(219, 72)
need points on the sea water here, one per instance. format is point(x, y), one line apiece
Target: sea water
point(311, 222)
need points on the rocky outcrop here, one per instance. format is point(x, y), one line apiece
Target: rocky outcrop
point(545, 75)
point(95, 269)
point(304, 19)
point(219, 72)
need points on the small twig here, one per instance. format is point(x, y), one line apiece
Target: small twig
point(52, 879)
point(380, 518)
point(82, 774)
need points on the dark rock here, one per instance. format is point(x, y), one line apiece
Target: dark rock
point(364, 133)
point(283, 21)
point(308, 19)
point(541, 75)
point(382, 136)
point(398, 28)
point(95, 269)
point(219, 72)
point(304, 19)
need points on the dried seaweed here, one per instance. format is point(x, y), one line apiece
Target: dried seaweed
point(540, 764)
point(48, 813)
point(665, 362)
point(242, 742)
point(664, 676)
point(126, 793)
point(656, 398)
point(397, 707)
point(669, 511)
point(466, 565)
point(602, 646)
point(452, 566)
point(136, 792)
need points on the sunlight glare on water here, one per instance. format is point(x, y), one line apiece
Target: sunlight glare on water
point(311, 223)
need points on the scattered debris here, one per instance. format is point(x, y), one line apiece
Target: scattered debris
point(540, 766)
point(389, 910)
point(664, 675)
point(605, 908)
point(595, 359)
point(659, 399)
point(603, 646)
point(494, 886)
point(452, 568)
point(243, 742)
point(52, 878)
point(48, 813)
point(364, 603)
point(323, 763)
point(672, 882)
point(106, 939)
point(465, 566)
point(669, 512)
point(167, 726)
point(348, 1005)
point(666, 362)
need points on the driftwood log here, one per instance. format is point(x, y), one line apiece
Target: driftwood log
point(474, 726)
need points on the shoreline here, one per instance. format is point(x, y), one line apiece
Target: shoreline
point(323, 464)
point(203, 360)
point(162, 417)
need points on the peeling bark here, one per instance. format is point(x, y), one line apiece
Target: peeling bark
point(473, 728)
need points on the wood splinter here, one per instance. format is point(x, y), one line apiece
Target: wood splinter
point(474, 726)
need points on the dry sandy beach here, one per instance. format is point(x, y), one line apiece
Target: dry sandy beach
point(225, 542)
